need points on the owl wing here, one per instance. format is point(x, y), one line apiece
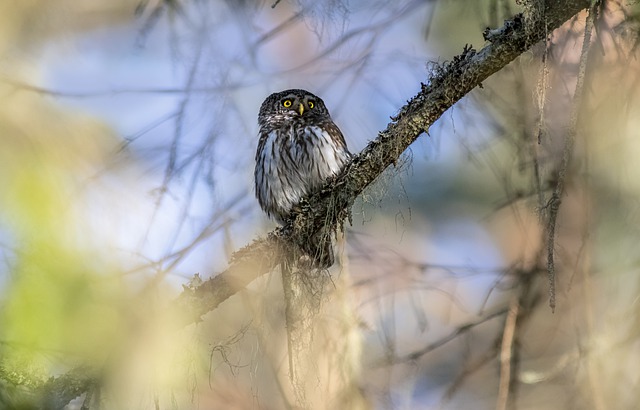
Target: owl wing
point(336, 134)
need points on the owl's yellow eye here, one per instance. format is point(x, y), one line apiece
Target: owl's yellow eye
point(287, 103)
point(311, 104)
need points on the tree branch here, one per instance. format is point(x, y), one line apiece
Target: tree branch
point(558, 191)
point(447, 85)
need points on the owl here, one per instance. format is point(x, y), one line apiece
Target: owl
point(300, 147)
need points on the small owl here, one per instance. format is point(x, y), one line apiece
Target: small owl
point(299, 148)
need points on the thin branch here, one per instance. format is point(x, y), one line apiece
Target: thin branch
point(22, 86)
point(486, 358)
point(417, 354)
point(506, 372)
point(556, 197)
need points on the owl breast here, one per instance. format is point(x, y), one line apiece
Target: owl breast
point(292, 162)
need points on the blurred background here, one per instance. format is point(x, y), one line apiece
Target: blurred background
point(127, 141)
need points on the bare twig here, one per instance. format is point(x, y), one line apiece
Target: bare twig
point(415, 355)
point(508, 335)
point(556, 198)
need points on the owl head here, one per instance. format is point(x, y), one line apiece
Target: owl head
point(292, 105)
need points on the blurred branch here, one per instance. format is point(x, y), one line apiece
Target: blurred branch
point(447, 84)
point(19, 85)
point(54, 393)
point(57, 392)
point(506, 372)
point(507, 346)
point(247, 264)
point(567, 152)
point(460, 330)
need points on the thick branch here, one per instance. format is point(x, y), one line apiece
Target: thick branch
point(447, 85)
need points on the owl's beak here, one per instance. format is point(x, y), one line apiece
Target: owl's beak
point(301, 108)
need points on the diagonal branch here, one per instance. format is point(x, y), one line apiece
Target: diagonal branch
point(447, 85)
